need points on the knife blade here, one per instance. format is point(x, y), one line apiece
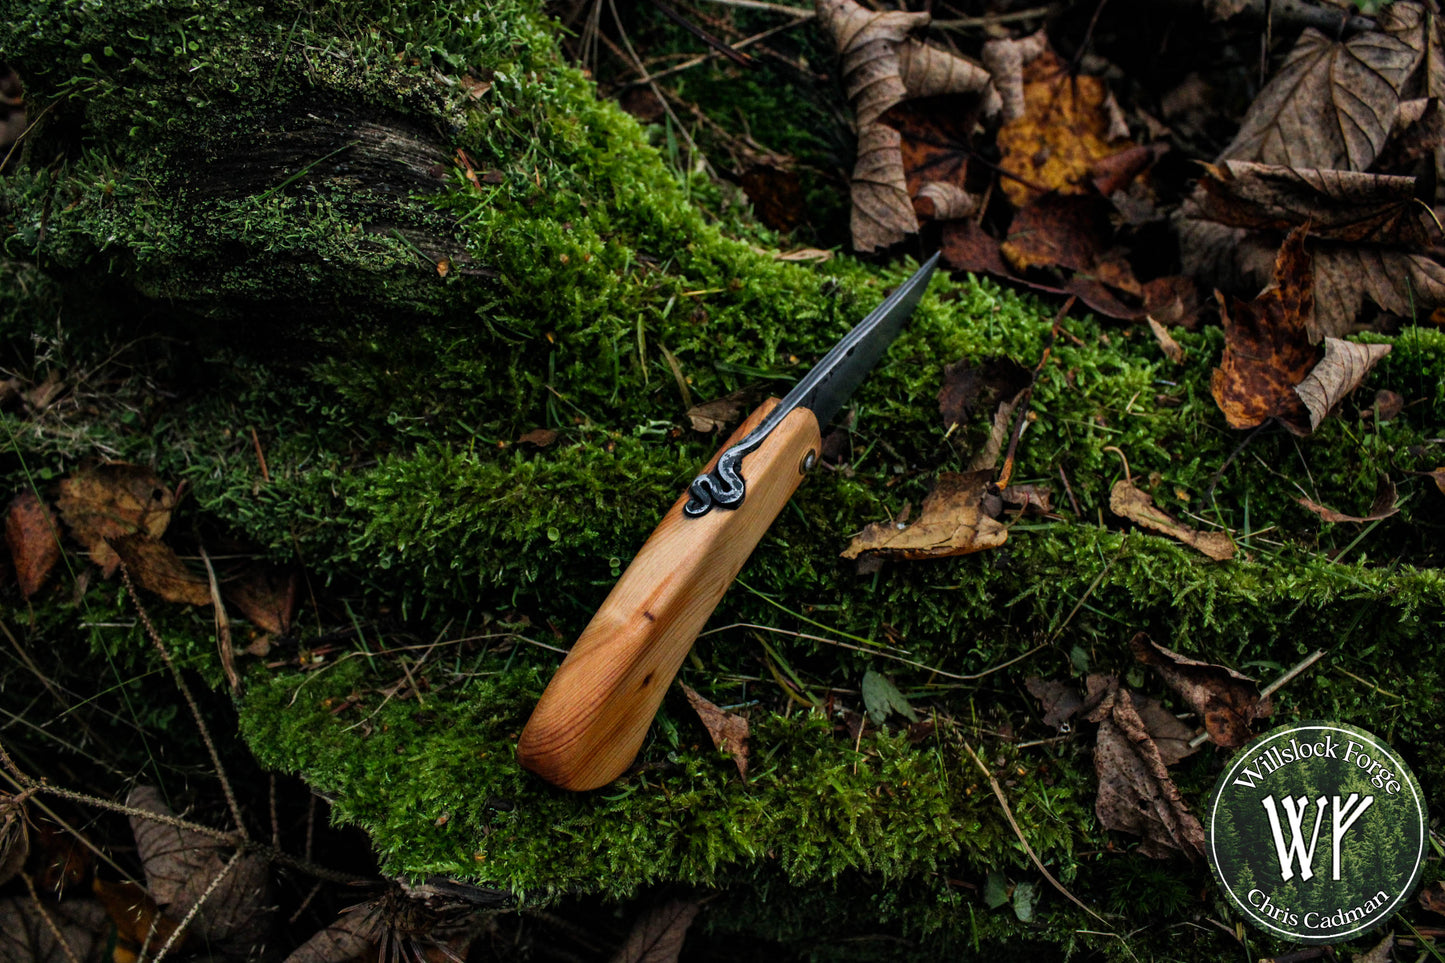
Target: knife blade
point(591, 721)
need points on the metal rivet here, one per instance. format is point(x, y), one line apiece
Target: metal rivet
point(809, 460)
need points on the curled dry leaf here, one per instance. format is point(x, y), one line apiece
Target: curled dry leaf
point(1227, 701)
point(658, 934)
point(181, 865)
point(728, 730)
point(1383, 505)
point(1339, 372)
point(952, 522)
point(1336, 205)
point(882, 66)
point(155, 567)
point(110, 501)
point(1126, 501)
point(1136, 794)
point(1004, 60)
point(1331, 104)
point(538, 437)
point(1267, 345)
point(33, 536)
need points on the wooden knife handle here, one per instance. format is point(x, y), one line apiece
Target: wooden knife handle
point(590, 723)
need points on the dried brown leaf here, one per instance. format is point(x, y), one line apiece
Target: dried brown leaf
point(776, 196)
point(729, 731)
point(1383, 505)
point(344, 940)
point(723, 413)
point(1059, 700)
point(154, 566)
point(1227, 701)
point(1400, 282)
point(1167, 344)
point(658, 934)
point(1005, 59)
point(1171, 737)
point(33, 536)
point(968, 386)
point(1336, 205)
point(181, 865)
point(109, 501)
point(952, 522)
point(1059, 230)
point(26, 935)
point(1136, 794)
point(1432, 897)
point(1126, 501)
point(1331, 105)
point(1339, 372)
point(1267, 346)
point(942, 201)
point(538, 437)
point(266, 596)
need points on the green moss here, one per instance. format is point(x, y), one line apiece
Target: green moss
point(387, 400)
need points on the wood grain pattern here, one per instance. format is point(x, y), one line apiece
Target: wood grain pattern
point(590, 723)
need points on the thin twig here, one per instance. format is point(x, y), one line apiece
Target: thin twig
point(205, 731)
point(973, 23)
point(1008, 814)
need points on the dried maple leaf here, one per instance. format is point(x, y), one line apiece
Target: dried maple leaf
point(1064, 130)
point(1126, 501)
point(1136, 794)
point(1383, 505)
point(728, 730)
point(109, 501)
point(952, 522)
point(33, 535)
point(1336, 205)
point(1267, 345)
point(1403, 283)
point(1227, 701)
point(934, 147)
point(1338, 373)
point(154, 566)
point(1330, 105)
point(658, 934)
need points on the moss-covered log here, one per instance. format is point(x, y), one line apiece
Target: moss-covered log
point(248, 231)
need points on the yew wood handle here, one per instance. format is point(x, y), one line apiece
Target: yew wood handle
point(590, 722)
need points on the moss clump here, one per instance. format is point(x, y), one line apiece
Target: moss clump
point(304, 302)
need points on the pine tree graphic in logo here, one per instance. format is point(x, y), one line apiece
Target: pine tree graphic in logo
point(1316, 831)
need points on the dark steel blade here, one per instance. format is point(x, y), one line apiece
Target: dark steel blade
point(823, 391)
